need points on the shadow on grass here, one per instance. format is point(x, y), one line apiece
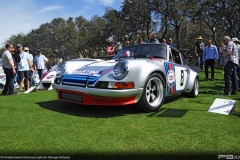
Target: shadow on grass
point(173, 113)
point(213, 90)
point(237, 114)
point(103, 111)
point(168, 112)
point(88, 111)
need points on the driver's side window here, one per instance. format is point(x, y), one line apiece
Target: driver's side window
point(171, 57)
point(176, 56)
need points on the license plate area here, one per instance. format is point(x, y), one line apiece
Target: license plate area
point(71, 97)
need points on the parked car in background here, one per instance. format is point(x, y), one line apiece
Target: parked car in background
point(2, 80)
point(2, 76)
point(16, 85)
point(63, 67)
point(142, 74)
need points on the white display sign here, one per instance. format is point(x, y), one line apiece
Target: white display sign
point(223, 106)
point(30, 89)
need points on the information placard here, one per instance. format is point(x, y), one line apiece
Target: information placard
point(223, 106)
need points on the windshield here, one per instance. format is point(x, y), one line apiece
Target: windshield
point(143, 51)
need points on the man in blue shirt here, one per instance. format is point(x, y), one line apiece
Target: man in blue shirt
point(210, 56)
point(171, 43)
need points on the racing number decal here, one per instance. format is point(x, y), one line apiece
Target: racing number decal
point(181, 78)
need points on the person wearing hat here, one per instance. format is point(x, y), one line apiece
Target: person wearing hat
point(235, 40)
point(39, 63)
point(24, 65)
point(32, 79)
point(9, 70)
point(230, 67)
point(199, 47)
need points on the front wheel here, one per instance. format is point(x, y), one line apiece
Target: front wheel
point(153, 93)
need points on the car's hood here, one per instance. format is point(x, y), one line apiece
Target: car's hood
point(90, 73)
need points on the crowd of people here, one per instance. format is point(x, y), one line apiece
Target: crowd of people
point(19, 66)
point(111, 50)
point(228, 53)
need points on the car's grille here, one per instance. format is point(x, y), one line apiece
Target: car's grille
point(71, 97)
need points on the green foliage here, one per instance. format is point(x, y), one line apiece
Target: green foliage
point(183, 21)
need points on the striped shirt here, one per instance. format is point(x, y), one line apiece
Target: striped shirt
point(233, 57)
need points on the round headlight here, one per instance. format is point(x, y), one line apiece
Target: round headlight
point(120, 70)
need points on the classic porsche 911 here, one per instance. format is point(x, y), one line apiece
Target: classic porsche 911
point(142, 74)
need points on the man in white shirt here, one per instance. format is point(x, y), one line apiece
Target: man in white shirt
point(32, 76)
point(24, 66)
point(39, 63)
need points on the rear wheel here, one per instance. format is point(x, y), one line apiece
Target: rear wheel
point(153, 93)
point(195, 90)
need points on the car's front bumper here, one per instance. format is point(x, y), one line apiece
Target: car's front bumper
point(97, 96)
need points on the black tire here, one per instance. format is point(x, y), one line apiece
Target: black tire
point(1, 87)
point(153, 93)
point(195, 90)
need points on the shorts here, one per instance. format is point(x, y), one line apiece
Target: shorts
point(23, 74)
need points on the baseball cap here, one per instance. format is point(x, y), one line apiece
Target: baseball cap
point(19, 45)
point(26, 49)
point(38, 50)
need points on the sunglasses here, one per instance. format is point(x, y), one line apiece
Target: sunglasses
point(26, 50)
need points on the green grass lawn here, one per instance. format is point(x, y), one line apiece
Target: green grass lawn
point(37, 124)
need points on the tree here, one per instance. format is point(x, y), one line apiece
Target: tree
point(136, 15)
point(174, 14)
point(95, 40)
